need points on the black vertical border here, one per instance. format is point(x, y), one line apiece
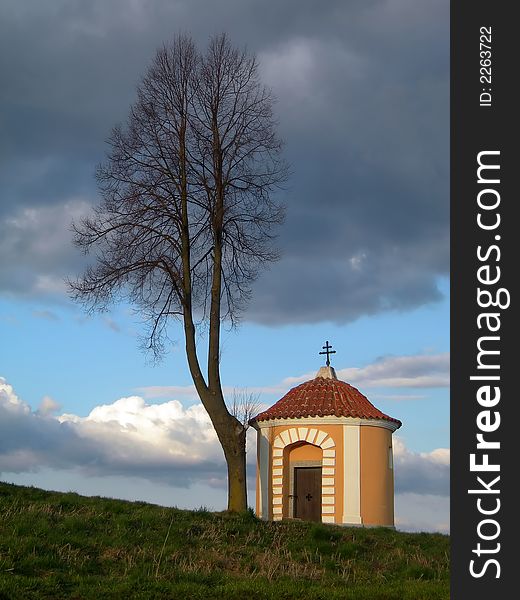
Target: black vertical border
point(475, 129)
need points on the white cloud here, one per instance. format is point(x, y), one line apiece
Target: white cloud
point(8, 399)
point(168, 391)
point(397, 397)
point(422, 486)
point(421, 472)
point(422, 512)
point(160, 442)
point(416, 371)
point(48, 406)
point(163, 430)
point(422, 370)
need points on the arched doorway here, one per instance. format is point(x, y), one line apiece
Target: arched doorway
point(302, 447)
point(303, 474)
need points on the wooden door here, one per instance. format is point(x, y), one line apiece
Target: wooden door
point(307, 493)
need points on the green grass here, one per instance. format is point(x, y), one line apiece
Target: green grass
point(55, 545)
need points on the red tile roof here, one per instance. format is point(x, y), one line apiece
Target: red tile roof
point(321, 397)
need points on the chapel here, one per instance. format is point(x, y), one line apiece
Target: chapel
point(324, 453)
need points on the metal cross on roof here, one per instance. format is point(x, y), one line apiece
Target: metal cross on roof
point(328, 351)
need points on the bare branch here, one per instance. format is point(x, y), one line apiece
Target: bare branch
point(244, 405)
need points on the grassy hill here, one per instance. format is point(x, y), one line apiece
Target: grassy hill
point(55, 545)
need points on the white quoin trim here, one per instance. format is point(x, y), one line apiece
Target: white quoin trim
point(263, 471)
point(351, 485)
point(313, 436)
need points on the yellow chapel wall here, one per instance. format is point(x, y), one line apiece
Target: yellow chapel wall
point(377, 476)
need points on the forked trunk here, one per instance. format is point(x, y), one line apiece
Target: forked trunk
point(230, 432)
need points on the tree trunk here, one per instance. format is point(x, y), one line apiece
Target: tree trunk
point(232, 437)
point(230, 432)
point(234, 444)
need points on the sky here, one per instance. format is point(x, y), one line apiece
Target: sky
point(362, 90)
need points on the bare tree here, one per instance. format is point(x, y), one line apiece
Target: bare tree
point(244, 406)
point(187, 214)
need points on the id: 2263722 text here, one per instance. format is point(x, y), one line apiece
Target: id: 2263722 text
point(485, 66)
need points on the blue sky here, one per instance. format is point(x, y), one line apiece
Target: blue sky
point(362, 102)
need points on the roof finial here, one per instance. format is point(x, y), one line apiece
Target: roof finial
point(328, 351)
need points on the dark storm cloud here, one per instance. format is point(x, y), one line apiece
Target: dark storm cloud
point(362, 91)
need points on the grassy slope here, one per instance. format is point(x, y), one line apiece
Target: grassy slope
point(55, 545)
